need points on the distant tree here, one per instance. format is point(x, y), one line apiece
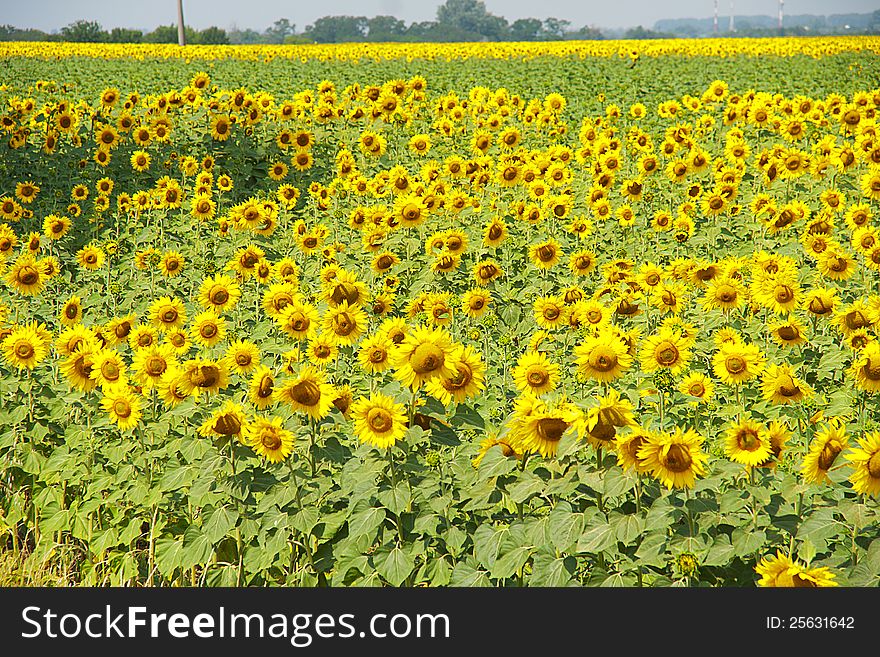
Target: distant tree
point(586, 33)
point(525, 29)
point(385, 28)
point(123, 35)
point(469, 18)
point(554, 28)
point(336, 29)
point(12, 33)
point(874, 23)
point(211, 36)
point(163, 34)
point(640, 32)
point(84, 32)
point(247, 36)
point(280, 30)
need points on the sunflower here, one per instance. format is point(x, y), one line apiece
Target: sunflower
point(122, 405)
point(108, 368)
point(26, 276)
point(747, 442)
point(142, 336)
point(535, 373)
point(627, 447)
point(549, 312)
point(323, 349)
point(824, 450)
point(423, 354)
point(25, 347)
point(667, 350)
point(545, 255)
point(736, 363)
point(865, 369)
point(166, 313)
point(308, 392)
point(475, 303)
point(221, 127)
point(600, 424)
point(77, 367)
point(699, 386)
point(820, 301)
point(780, 386)
point(228, 420)
point(467, 381)
point(261, 389)
point(55, 227)
point(782, 571)
point(269, 439)
point(725, 293)
point(495, 233)
point(151, 363)
point(507, 445)
point(90, 257)
point(538, 427)
point(119, 328)
point(788, 333)
point(602, 357)
point(486, 271)
point(865, 460)
point(171, 264)
point(299, 320)
point(374, 353)
point(202, 375)
point(379, 420)
point(675, 459)
point(243, 356)
point(208, 329)
point(345, 324)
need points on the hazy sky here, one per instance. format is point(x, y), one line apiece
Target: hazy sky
point(50, 15)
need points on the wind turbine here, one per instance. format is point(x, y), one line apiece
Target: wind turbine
point(181, 37)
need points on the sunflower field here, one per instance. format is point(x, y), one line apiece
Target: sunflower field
point(595, 314)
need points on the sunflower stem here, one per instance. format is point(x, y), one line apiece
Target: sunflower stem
point(307, 542)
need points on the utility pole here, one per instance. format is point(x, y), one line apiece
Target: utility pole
point(731, 16)
point(715, 20)
point(181, 37)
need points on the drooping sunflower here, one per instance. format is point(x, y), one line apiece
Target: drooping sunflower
point(379, 420)
point(122, 405)
point(228, 420)
point(467, 381)
point(865, 460)
point(308, 392)
point(781, 571)
point(602, 357)
point(77, 366)
point(204, 376)
point(747, 442)
point(675, 459)
point(824, 450)
point(538, 427)
point(599, 425)
point(269, 438)
point(535, 373)
point(423, 354)
point(779, 385)
point(865, 369)
point(261, 389)
point(627, 447)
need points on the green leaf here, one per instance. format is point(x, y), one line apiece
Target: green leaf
point(396, 499)
point(395, 565)
point(486, 544)
point(746, 542)
point(169, 555)
point(627, 528)
point(652, 551)
point(597, 538)
point(565, 526)
point(550, 571)
point(467, 416)
point(509, 562)
point(465, 575)
point(366, 522)
point(219, 523)
point(807, 551)
point(197, 548)
point(721, 553)
point(616, 482)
